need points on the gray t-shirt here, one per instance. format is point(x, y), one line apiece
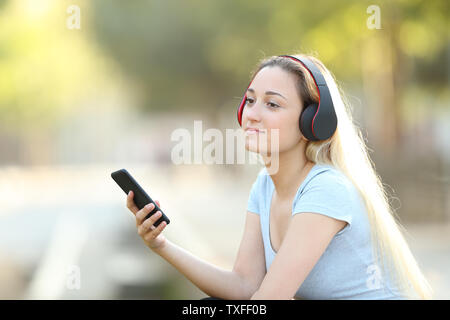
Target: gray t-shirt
point(346, 270)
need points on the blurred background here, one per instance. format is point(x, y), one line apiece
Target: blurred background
point(90, 87)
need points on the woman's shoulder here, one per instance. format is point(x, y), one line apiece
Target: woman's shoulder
point(326, 173)
point(329, 180)
point(322, 176)
point(327, 191)
point(319, 173)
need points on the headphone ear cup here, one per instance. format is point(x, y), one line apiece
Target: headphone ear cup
point(306, 119)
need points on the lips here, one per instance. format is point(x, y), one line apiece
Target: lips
point(253, 131)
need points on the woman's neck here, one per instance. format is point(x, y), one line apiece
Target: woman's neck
point(293, 167)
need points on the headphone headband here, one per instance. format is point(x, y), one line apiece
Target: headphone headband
point(317, 122)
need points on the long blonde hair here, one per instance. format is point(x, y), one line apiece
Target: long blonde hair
point(346, 151)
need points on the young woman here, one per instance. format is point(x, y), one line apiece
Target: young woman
point(320, 226)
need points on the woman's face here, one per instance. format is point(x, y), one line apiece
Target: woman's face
point(272, 103)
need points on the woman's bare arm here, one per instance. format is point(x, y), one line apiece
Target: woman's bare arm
point(240, 283)
point(250, 261)
point(212, 280)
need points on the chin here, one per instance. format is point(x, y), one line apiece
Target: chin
point(252, 144)
point(255, 149)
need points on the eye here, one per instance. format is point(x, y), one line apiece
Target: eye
point(271, 104)
point(248, 100)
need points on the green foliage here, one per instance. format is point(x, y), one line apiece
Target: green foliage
point(47, 69)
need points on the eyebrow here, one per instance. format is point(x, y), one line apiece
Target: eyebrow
point(268, 93)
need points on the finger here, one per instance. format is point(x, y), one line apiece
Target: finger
point(155, 232)
point(130, 203)
point(143, 213)
point(145, 228)
point(157, 203)
point(147, 224)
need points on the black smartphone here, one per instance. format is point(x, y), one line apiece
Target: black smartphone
point(125, 181)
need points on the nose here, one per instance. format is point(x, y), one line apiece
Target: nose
point(251, 113)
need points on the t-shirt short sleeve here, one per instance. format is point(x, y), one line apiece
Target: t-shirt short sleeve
point(254, 197)
point(329, 193)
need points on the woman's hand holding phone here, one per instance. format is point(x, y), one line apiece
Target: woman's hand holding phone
point(152, 236)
